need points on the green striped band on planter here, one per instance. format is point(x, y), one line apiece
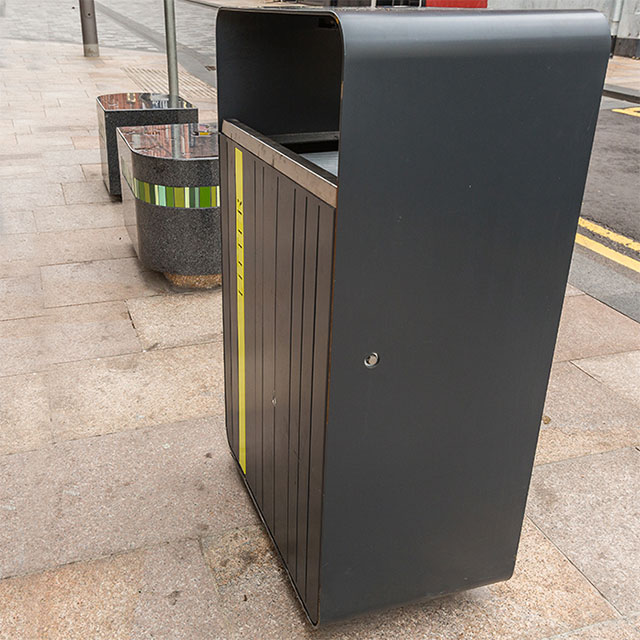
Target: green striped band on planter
point(179, 197)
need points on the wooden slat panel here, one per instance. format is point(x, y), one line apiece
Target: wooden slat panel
point(252, 408)
point(308, 321)
point(288, 243)
point(299, 227)
point(259, 329)
point(268, 340)
point(324, 284)
point(284, 255)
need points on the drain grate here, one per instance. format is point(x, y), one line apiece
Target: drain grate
point(155, 80)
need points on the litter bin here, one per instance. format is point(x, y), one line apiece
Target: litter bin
point(171, 200)
point(130, 109)
point(400, 193)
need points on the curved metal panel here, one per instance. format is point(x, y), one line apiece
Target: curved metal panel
point(464, 145)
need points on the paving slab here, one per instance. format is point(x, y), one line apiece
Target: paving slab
point(39, 141)
point(65, 334)
point(17, 222)
point(21, 296)
point(92, 171)
point(101, 396)
point(8, 139)
point(86, 192)
point(20, 253)
point(582, 416)
point(98, 281)
point(69, 156)
point(620, 372)
point(612, 630)
point(591, 328)
point(35, 171)
point(25, 420)
point(603, 279)
point(94, 600)
point(83, 245)
point(23, 184)
point(178, 319)
point(22, 348)
point(86, 142)
point(78, 216)
point(588, 507)
point(79, 500)
point(161, 592)
point(573, 291)
point(51, 194)
point(546, 596)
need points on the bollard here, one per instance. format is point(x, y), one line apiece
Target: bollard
point(615, 24)
point(172, 53)
point(89, 29)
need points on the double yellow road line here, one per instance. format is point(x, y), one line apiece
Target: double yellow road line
point(601, 249)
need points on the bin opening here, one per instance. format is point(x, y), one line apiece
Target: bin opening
point(320, 148)
point(280, 73)
point(309, 159)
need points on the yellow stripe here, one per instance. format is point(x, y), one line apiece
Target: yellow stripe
point(625, 261)
point(240, 279)
point(630, 111)
point(611, 235)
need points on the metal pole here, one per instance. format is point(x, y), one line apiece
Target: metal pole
point(615, 22)
point(89, 29)
point(172, 50)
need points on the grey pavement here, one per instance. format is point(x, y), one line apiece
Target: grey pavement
point(39, 20)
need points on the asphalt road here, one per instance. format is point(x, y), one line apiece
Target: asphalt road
point(608, 268)
point(612, 194)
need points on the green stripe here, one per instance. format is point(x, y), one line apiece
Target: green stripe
point(178, 197)
point(205, 196)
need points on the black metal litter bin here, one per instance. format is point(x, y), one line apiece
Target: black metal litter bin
point(400, 193)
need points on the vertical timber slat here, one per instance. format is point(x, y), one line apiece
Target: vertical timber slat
point(294, 385)
point(284, 253)
point(268, 344)
point(258, 169)
point(251, 407)
point(306, 384)
point(324, 275)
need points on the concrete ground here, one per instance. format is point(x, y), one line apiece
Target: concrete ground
point(623, 72)
point(121, 513)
